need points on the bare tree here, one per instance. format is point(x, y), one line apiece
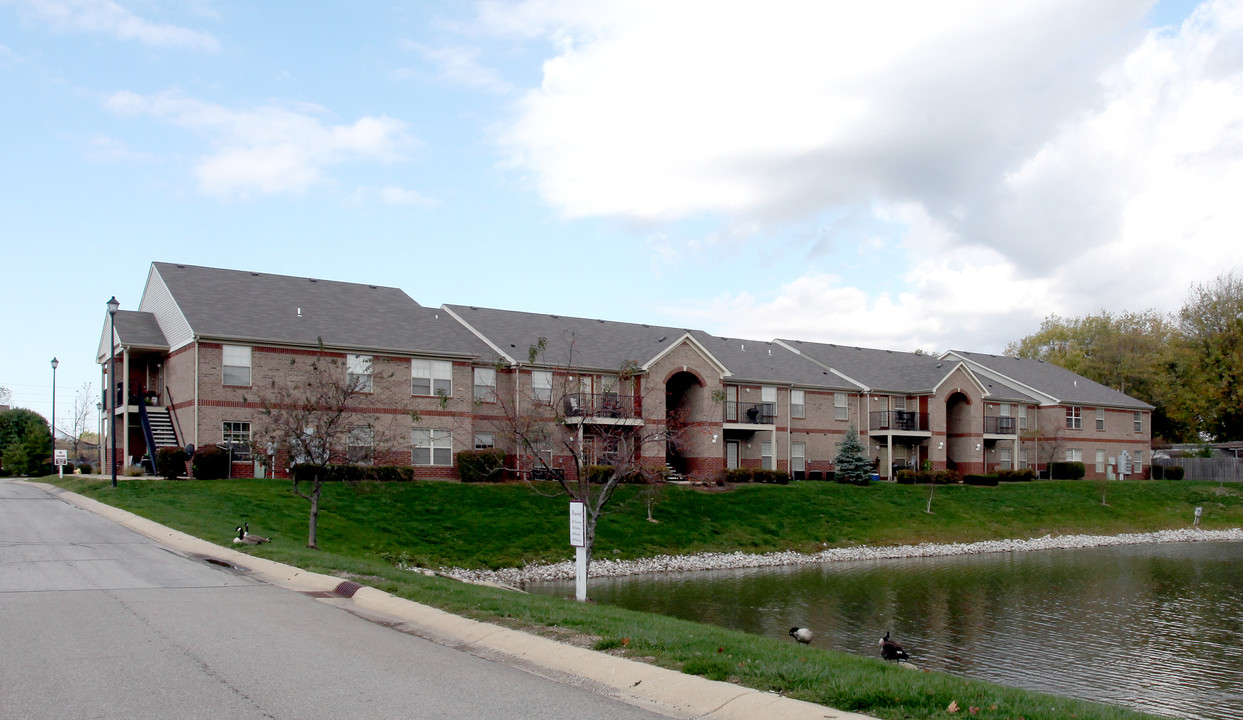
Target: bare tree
point(584, 436)
point(313, 417)
point(80, 422)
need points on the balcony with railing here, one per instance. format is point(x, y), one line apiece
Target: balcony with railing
point(898, 421)
point(599, 405)
point(761, 413)
point(1000, 425)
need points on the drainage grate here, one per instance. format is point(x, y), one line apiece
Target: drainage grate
point(347, 589)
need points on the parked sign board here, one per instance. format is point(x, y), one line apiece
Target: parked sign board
point(578, 524)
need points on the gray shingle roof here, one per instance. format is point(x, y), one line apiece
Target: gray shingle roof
point(880, 370)
point(250, 306)
point(139, 329)
point(588, 343)
point(1058, 382)
point(768, 362)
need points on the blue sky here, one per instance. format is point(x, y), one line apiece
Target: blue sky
point(902, 175)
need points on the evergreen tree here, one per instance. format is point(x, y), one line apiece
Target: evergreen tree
point(25, 442)
point(851, 463)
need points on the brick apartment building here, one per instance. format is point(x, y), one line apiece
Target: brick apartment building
point(204, 341)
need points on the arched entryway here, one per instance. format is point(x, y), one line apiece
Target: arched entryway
point(958, 436)
point(683, 394)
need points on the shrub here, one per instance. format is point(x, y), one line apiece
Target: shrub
point(907, 477)
point(986, 480)
point(134, 471)
point(170, 462)
point(1172, 472)
point(777, 477)
point(210, 462)
point(1067, 470)
point(1019, 475)
point(481, 465)
point(305, 472)
point(739, 475)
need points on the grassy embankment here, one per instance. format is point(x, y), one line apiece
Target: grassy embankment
point(365, 529)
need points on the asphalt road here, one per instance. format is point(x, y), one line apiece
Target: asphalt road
point(97, 621)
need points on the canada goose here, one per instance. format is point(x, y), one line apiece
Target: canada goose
point(801, 634)
point(244, 537)
point(890, 650)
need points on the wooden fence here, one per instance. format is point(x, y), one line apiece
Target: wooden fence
point(1215, 469)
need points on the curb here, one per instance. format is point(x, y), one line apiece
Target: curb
point(657, 689)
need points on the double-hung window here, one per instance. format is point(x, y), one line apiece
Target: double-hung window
point(766, 455)
point(541, 386)
point(841, 409)
point(433, 447)
point(236, 437)
point(358, 372)
point(359, 445)
point(485, 440)
point(235, 361)
point(798, 456)
point(431, 377)
point(1074, 455)
point(1137, 420)
point(1100, 461)
point(1003, 458)
point(485, 385)
point(1074, 418)
point(1100, 418)
point(798, 404)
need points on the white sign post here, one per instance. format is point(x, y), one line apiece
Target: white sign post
point(59, 459)
point(578, 538)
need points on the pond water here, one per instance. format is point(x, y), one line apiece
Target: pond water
point(1153, 627)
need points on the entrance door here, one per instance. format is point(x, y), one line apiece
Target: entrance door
point(731, 454)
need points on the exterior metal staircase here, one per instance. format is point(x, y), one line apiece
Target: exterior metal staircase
point(157, 426)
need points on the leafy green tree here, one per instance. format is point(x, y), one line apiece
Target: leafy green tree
point(851, 464)
point(25, 442)
point(1212, 371)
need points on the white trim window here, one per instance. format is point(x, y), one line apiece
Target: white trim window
point(432, 447)
point(485, 385)
point(1074, 455)
point(237, 436)
point(841, 406)
point(360, 445)
point(1023, 410)
point(798, 404)
point(1074, 417)
point(485, 440)
point(541, 386)
point(1137, 462)
point(1137, 421)
point(1003, 458)
point(431, 377)
point(1100, 461)
point(766, 455)
point(235, 365)
point(1100, 418)
point(798, 457)
point(1022, 459)
point(358, 372)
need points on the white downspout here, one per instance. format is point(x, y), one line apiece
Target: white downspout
point(125, 399)
point(196, 392)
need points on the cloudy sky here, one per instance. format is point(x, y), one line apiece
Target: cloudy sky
point(890, 174)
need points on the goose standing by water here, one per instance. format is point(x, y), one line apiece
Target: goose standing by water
point(802, 635)
point(891, 650)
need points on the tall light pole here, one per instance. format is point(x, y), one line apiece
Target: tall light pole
point(113, 305)
point(55, 364)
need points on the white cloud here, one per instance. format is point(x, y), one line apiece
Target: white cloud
point(1036, 157)
point(459, 65)
point(391, 195)
point(269, 149)
point(104, 17)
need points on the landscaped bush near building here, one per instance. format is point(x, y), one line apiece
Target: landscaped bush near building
point(304, 472)
point(757, 475)
point(1019, 475)
point(988, 480)
point(481, 465)
point(1168, 472)
point(170, 462)
point(1067, 470)
point(924, 477)
point(210, 462)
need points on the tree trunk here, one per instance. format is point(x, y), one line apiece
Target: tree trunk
point(313, 527)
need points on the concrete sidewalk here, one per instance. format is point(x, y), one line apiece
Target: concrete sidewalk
point(653, 688)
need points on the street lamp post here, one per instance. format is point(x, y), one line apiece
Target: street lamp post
point(55, 364)
point(113, 305)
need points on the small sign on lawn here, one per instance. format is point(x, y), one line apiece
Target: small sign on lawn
point(60, 457)
point(578, 524)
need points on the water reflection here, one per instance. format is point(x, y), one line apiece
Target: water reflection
point(1154, 627)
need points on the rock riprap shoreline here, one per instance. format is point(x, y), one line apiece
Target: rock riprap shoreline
point(603, 567)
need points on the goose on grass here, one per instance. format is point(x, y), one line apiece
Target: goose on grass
point(802, 635)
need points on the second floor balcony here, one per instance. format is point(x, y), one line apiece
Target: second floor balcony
point(761, 413)
point(1000, 425)
point(898, 420)
point(599, 405)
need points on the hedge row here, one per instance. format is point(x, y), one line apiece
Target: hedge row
point(757, 475)
point(925, 477)
point(353, 473)
point(1168, 472)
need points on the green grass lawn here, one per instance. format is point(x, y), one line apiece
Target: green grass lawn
point(366, 529)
